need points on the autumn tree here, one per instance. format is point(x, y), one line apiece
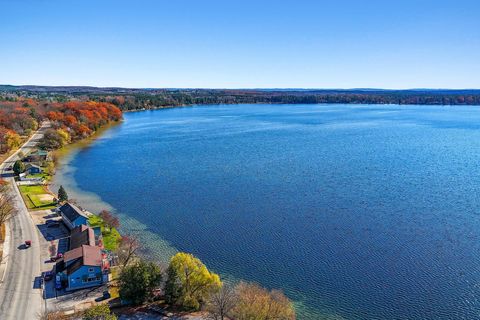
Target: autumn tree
point(109, 220)
point(64, 135)
point(12, 140)
point(62, 194)
point(221, 303)
point(189, 282)
point(138, 281)
point(52, 140)
point(256, 303)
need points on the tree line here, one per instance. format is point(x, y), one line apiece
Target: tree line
point(188, 285)
point(135, 99)
point(161, 99)
point(71, 120)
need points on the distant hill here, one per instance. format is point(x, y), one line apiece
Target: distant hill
point(149, 98)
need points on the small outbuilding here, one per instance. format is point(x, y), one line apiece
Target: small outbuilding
point(32, 169)
point(37, 156)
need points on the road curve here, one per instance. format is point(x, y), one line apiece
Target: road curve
point(20, 292)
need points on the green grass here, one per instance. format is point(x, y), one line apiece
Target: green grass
point(111, 237)
point(43, 175)
point(31, 195)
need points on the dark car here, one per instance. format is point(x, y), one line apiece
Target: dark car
point(47, 276)
point(105, 296)
point(56, 258)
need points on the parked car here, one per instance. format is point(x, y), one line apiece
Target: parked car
point(105, 296)
point(47, 276)
point(57, 257)
point(28, 243)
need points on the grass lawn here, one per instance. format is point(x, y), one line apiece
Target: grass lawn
point(37, 197)
point(43, 175)
point(111, 237)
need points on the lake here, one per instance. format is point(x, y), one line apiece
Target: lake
point(354, 211)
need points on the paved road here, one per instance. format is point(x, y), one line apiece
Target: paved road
point(20, 292)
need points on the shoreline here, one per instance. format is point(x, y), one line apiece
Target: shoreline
point(62, 153)
point(289, 103)
point(159, 249)
point(93, 203)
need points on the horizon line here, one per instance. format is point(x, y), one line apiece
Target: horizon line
point(241, 88)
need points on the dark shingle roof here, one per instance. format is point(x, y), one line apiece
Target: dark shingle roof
point(82, 235)
point(72, 212)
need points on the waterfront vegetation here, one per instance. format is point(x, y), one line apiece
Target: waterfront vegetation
point(189, 283)
point(138, 281)
point(190, 286)
point(111, 236)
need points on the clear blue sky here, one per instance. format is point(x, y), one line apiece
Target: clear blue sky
point(241, 44)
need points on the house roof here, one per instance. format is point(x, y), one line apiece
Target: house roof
point(29, 165)
point(82, 235)
point(73, 254)
point(92, 256)
point(85, 256)
point(72, 212)
point(39, 153)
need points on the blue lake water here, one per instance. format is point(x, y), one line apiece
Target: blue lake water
point(355, 211)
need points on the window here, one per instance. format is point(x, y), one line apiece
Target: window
point(92, 279)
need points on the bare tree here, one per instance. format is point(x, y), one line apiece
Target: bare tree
point(57, 315)
point(109, 219)
point(255, 302)
point(52, 249)
point(129, 245)
point(7, 208)
point(221, 303)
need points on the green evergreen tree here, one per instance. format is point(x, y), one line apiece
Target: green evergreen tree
point(62, 194)
point(18, 167)
point(138, 281)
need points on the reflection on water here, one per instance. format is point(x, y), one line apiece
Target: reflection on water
point(360, 212)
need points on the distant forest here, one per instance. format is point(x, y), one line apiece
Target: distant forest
point(135, 99)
